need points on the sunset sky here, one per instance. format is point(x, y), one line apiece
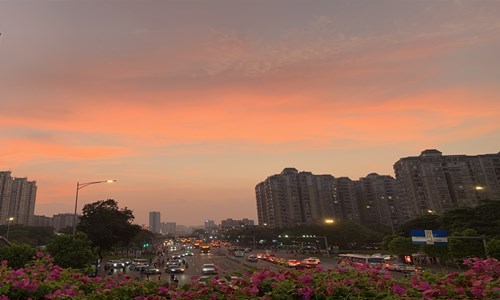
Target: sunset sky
point(190, 104)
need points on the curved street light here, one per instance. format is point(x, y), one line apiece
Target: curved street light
point(80, 186)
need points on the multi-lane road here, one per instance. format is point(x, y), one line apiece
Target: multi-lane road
point(226, 265)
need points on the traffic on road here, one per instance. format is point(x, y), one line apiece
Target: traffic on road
point(184, 263)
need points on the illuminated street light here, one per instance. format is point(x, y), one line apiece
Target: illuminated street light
point(8, 227)
point(329, 221)
point(80, 186)
point(478, 188)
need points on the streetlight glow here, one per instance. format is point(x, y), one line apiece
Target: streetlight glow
point(329, 221)
point(8, 227)
point(479, 188)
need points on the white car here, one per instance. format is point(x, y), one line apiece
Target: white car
point(209, 269)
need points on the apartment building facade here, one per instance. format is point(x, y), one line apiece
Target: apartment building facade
point(293, 198)
point(17, 199)
point(434, 183)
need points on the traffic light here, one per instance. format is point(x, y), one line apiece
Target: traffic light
point(145, 245)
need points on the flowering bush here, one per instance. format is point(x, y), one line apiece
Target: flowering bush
point(44, 280)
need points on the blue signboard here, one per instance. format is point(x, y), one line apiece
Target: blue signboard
point(429, 237)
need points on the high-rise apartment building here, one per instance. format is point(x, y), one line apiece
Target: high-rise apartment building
point(293, 198)
point(154, 221)
point(434, 183)
point(345, 201)
point(22, 200)
point(380, 201)
point(17, 199)
point(5, 192)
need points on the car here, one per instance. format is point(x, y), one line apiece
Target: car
point(152, 271)
point(137, 267)
point(175, 262)
point(312, 260)
point(252, 258)
point(115, 264)
point(209, 269)
point(174, 269)
point(400, 267)
point(293, 263)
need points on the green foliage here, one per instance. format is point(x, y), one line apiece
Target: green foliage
point(493, 247)
point(17, 255)
point(440, 251)
point(484, 219)
point(69, 252)
point(108, 226)
point(426, 222)
point(387, 239)
point(460, 248)
point(402, 246)
point(31, 235)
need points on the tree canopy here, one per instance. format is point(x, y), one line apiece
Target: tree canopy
point(69, 252)
point(17, 255)
point(107, 226)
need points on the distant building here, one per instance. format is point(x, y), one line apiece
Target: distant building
point(232, 224)
point(154, 221)
point(168, 228)
point(17, 199)
point(62, 221)
point(434, 183)
point(42, 221)
point(210, 226)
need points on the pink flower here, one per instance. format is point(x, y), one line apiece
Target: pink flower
point(305, 279)
point(162, 290)
point(476, 291)
point(254, 290)
point(397, 289)
point(25, 284)
point(306, 292)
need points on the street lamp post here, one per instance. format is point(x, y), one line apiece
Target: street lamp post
point(80, 186)
point(8, 227)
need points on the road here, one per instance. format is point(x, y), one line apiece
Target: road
point(227, 265)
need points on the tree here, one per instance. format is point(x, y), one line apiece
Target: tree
point(17, 255)
point(69, 252)
point(402, 246)
point(493, 247)
point(426, 222)
point(31, 235)
point(107, 226)
point(460, 248)
point(482, 218)
point(387, 239)
point(440, 251)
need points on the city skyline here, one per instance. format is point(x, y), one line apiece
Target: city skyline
point(189, 105)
